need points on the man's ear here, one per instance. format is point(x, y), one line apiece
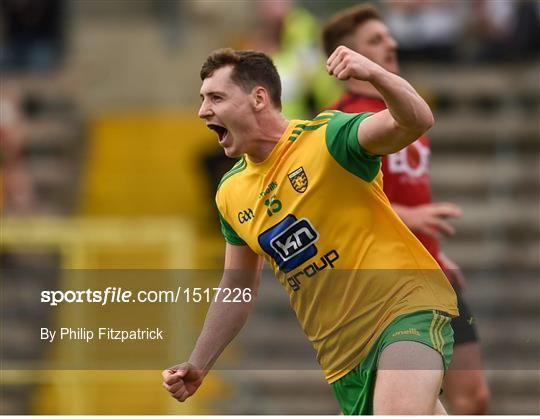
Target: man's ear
point(260, 98)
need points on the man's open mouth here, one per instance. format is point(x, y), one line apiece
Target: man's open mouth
point(221, 131)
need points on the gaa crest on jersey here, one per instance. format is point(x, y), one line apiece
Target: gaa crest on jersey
point(299, 180)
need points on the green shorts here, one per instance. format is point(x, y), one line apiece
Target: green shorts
point(354, 391)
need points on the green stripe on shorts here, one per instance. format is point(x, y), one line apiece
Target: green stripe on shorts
point(354, 391)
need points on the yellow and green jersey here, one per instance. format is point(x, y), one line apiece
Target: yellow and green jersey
point(315, 209)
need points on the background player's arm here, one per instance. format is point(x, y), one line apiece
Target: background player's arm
point(223, 321)
point(429, 218)
point(408, 116)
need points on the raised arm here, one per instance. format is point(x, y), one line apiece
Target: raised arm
point(408, 116)
point(223, 321)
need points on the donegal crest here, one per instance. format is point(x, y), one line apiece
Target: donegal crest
point(299, 180)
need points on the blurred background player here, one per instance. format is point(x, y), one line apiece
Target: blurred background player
point(406, 183)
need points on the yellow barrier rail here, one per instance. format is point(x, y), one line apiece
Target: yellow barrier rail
point(103, 243)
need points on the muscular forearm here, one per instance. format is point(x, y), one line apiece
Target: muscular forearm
point(408, 115)
point(406, 106)
point(223, 322)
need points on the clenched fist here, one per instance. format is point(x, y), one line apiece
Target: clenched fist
point(182, 380)
point(344, 63)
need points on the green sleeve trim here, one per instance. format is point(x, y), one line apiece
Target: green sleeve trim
point(342, 143)
point(230, 235)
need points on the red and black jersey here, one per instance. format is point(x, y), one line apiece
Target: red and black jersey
point(406, 173)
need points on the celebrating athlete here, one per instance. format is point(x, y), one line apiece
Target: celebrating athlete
point(307, 196)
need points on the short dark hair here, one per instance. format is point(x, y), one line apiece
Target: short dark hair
point(342, 25)
point(250, 69)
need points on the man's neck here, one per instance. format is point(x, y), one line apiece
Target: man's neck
point(362, 88)
point(271, 128)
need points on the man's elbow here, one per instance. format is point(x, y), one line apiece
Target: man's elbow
point(428, 120)
point(422, 124)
